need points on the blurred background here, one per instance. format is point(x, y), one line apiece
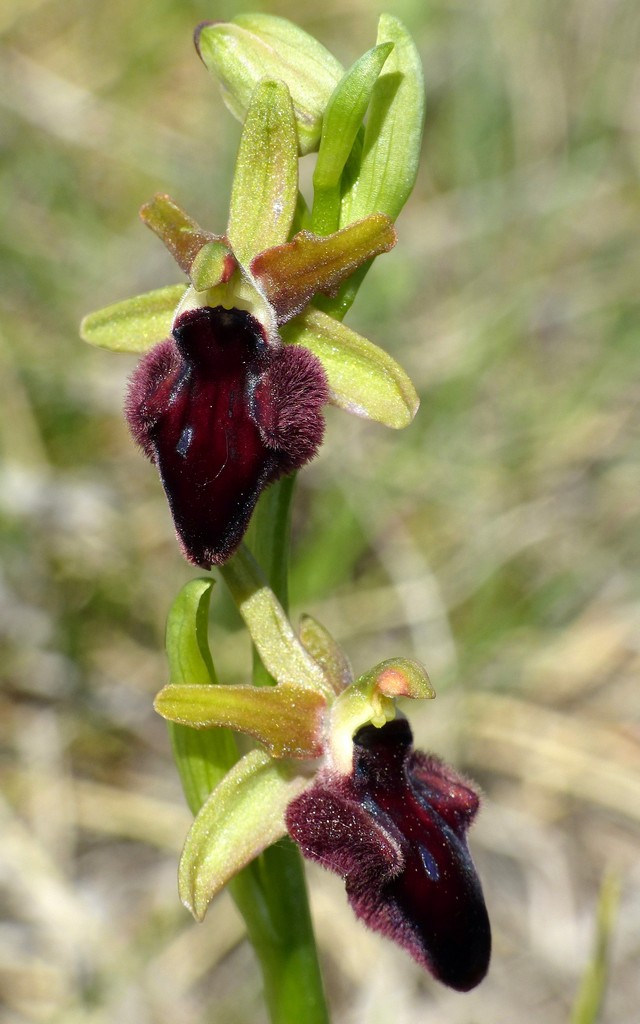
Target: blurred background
point(496, 539)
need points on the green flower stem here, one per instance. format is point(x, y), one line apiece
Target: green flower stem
point(271, 893)
point(272, 896)
point(271, 529)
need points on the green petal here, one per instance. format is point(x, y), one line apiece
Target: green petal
point(292, 273)
point(363, 379)
point(340, 125)
point(135, 325)
point(281, 652)
point(323, 648)
point(188, 243)
point(202, 758)
point(286, 719)
point(265, 183)
point(244, 814)
point(393, 133)
point(257, 46)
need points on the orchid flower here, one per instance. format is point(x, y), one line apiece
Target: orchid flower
point(335, 770)
point(237, 364)
point(239, 361)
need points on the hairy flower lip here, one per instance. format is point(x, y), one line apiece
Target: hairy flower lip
point(222, 412)
point(395, 829)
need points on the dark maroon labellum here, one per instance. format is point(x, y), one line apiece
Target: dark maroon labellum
point(222, 413)
point(396, 831)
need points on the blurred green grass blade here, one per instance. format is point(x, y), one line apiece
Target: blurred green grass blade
point(590, 999)
point(203, 758)
point(135, 325)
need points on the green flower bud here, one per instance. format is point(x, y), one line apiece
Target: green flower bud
point(393, 133)
point(255, 46)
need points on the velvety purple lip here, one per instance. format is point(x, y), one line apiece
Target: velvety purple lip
point(396, 831)
point(222, 413)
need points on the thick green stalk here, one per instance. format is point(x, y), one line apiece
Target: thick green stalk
point(271, 893)
point(271, 529)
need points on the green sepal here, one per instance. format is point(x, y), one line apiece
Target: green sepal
point(265, 183)
point(256, 46)
point(243, 815)
point(393, 133)
point(363, 379)
point(135, 325)
point(323, 648)
point(280, 651)
point(189, 244)
point(340, 125)
point(202, 758)
point(287, 719)
point(291, 274)
point(370, 700)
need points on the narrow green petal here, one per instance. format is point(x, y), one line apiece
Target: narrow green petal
point(244, 814)
point(135, 325)
point(202, 758)
point(256, 46)
point(340, 125)
point(292, 273)
point(202, 255)
point(393, 133)
point(286, 719)
point(281, 652)
point(324, 649)
point(265, 183)
point(183, 236)
point(363, 379)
